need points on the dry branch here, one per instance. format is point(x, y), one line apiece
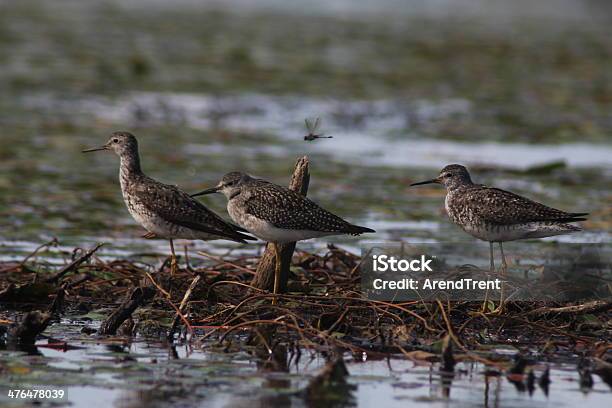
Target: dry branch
point(183, 305)
point(589, 307)
point(137, 298)
point(73, 265)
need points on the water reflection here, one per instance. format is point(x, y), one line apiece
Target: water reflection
point(145, 373)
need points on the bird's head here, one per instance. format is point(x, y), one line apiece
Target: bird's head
point(122, 143)
point(451, 177)
point(230, 185)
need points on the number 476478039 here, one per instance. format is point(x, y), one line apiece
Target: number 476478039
point(42, 393)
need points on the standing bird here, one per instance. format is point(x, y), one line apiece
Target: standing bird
point(496, 215)
point(162, 209)
point(276, 214)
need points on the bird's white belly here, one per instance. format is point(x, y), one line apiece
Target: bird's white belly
point(270, 233)
point(503, 233)
point(267, 232)
point(150, 221)
point(494, 234)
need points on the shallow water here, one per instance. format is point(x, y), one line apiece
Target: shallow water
point(75, 196)
point(105, 372)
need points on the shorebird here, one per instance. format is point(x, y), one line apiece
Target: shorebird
point(164, 210)
point(276, 214)
point(495, 215)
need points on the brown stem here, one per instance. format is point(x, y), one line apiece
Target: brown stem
point(137, 298)
point(73, 265)
point(183, 305)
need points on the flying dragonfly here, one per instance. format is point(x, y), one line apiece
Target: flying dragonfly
point(312, 127)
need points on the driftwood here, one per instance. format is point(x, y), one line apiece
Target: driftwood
point(35, 322)
point(32, 325)
point(137, 298)
point(264, 275)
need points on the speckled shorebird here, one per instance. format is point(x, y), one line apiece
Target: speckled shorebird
point(164, 210)
point(276, 214)
point(496, 215)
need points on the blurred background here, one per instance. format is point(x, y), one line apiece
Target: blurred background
point(519, 92)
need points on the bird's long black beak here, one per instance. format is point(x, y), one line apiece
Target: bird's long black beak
point(207, 191)
point(420, 183)
point(95, 149)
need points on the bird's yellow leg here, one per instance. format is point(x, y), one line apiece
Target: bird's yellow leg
point(502, 271)
point(485, 303)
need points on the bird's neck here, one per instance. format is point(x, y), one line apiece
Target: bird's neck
point(130, 166)
point(459, 186)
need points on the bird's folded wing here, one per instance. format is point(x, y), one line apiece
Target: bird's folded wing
point(288, 209)
point(503, 207)
point(177, 207)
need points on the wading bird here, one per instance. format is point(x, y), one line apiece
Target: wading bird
point(276, 214)
point(164, 210)
point(495, 215)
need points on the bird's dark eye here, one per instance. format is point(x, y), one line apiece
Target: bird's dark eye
point(447, 175)
point(230, 183)
point(115, 140)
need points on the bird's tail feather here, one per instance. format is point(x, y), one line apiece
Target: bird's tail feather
point(243, 238)
point(573, 217)
point(358, 230)
point(550, 229)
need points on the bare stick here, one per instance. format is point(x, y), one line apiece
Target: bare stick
point(264, 275)
point(168, 298)
point(73, 265)
point(589, 307)
point(33, 253)
point(183, 304)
